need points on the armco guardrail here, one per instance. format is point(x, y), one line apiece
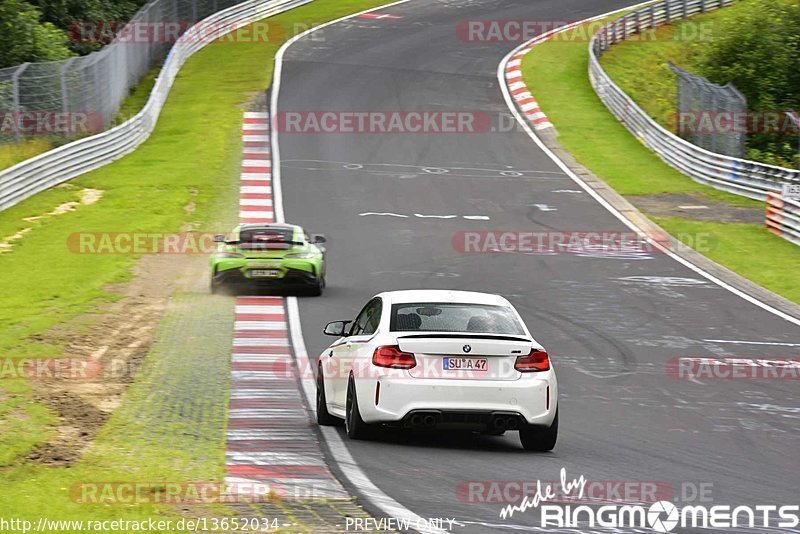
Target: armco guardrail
point(63, 163)
point(783, 217)
point(742, 177)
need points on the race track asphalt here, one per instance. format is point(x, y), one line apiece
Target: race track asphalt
point(610, 321)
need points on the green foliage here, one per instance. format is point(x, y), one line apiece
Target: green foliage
point(70, 14)
point(757, 48)
point(754, 44)
point(46, 30)
point(24, 37)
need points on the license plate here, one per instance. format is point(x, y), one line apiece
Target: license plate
point(264, 265)
point(265, 273)
point(465, 364)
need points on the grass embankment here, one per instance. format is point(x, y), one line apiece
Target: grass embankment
point(184, 176)
point(556, 73)
point(13, 153)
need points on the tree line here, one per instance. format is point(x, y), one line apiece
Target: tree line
point(757, 48)
point(44, 30)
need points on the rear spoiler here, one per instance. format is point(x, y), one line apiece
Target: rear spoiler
point(499, 337)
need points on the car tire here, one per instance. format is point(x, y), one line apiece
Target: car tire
point(318, 287)
point(537, 439)
point(324, 418)
point(355, 426)
point(216, 287)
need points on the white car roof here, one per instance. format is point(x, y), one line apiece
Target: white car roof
point(440, 295)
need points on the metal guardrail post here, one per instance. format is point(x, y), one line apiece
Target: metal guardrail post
point(64, 91)
point(15, 98)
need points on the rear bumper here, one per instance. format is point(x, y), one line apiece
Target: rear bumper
point(295, 277)
point(459, 401)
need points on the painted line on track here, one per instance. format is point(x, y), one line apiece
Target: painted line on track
point(341, 455)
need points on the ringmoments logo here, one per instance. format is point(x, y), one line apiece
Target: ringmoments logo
point(660, 516)
point(664, 516)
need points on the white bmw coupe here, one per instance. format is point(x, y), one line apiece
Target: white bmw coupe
point(438, 359)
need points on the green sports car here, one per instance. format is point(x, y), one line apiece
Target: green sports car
point(269, 255)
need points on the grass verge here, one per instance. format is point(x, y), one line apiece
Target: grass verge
point(556, 73)
point(13, 153)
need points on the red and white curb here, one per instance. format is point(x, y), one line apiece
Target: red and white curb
point(271, 442)
point(520, 92)
point(255, 203)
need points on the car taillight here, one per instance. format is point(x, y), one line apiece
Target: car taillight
point(537, 360)
point(393, 358)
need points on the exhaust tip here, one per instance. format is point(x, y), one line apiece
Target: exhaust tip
point(430, 420)
point(416, 420)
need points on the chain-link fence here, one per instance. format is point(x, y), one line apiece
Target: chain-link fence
point(56, 166)
point(707, 114)
point(82, 95)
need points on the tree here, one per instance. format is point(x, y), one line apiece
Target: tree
point(23, 38)
point(68, 14)
point(757, 47)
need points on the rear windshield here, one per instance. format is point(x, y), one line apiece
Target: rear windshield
point(454, 317)
point(267, 238)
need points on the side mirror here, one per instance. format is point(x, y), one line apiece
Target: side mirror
point(318, 238)
point(336, 328)
point(219, 238)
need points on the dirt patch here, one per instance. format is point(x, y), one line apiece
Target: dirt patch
point(696, 207)
point(7, 243)
point(86, 197)
point(190, 206)
point(80, 422)
point(118, 336)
